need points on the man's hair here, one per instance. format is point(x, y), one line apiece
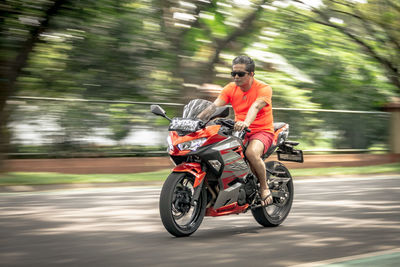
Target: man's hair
point(250, 66)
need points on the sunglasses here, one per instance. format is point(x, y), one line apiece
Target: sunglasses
point(238, 73)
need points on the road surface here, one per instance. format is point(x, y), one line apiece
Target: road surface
point(352, 220)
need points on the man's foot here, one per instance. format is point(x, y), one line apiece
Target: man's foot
point(266, 198)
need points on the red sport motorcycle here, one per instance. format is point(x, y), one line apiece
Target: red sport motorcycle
point(212, 176)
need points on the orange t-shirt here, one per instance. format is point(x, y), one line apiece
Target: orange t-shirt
point(242, 101)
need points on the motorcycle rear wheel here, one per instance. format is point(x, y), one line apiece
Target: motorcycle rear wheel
point(179, 217)
point(273, 215)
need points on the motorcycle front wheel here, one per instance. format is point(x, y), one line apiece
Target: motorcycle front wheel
point(179, 216)
point(275, 214)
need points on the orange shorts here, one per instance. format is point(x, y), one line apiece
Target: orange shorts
point(265, 137)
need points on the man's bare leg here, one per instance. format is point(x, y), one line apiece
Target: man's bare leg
point(254, 152)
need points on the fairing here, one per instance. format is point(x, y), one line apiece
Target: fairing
point(221, 155)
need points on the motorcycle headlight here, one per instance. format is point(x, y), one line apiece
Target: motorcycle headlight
point(192, 145)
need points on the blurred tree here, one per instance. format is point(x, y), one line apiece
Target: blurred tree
point(164, 50)
point(374, 25)
point(199, 31)
point(99, 49)
point(21, 27)
point(343, 78)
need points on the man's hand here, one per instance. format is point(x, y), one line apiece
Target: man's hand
point(240, 126)
point(251, 115)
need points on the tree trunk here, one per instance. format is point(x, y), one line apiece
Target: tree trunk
point(10, 71)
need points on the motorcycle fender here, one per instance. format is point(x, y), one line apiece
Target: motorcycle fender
point(194, 169)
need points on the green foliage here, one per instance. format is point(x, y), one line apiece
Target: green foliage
point(120, 120)
point(342, 79)
point(340, 55)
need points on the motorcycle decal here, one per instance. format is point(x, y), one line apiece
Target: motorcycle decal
point(206, 132)
point(227, 180)
point(234, 167)
point(227, 145)
point(239, 150)
point(225, 151)
point(237, 164)
point(231, 158)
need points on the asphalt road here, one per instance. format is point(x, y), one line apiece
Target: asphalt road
point(356, 220)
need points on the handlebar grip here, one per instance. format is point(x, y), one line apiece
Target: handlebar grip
point(231, 123)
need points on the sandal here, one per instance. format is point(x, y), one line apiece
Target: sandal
point(264, 202)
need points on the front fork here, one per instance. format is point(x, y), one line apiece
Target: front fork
point(194, 169)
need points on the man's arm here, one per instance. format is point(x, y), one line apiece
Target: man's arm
point(211, 109)
point(219, 102)
point(251, 115)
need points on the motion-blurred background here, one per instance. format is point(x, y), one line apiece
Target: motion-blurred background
point(77, 77)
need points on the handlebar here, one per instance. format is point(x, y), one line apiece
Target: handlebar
point(231, 123)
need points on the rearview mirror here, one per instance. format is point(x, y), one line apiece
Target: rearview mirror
point(157, 110)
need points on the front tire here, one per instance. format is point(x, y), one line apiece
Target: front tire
point(273, 215)
point(179, 217)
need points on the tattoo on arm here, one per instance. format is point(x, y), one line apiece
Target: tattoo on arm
point(207, 112)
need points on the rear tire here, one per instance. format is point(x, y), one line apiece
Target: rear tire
point(179, 217)
point(273, 215)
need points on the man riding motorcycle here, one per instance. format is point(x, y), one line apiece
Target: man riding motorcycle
point(251, 102)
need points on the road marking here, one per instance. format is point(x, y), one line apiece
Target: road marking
point(345, 261)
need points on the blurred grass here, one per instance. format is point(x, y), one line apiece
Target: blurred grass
point(372, 169)
point(43, 178)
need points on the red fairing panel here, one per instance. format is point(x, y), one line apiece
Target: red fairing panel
point(233, 208)
point(193, 168)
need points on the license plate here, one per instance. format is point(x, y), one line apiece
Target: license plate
point(184, 125)
point(295, 155)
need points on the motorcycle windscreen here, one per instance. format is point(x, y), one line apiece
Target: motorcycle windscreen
point(196, 106)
